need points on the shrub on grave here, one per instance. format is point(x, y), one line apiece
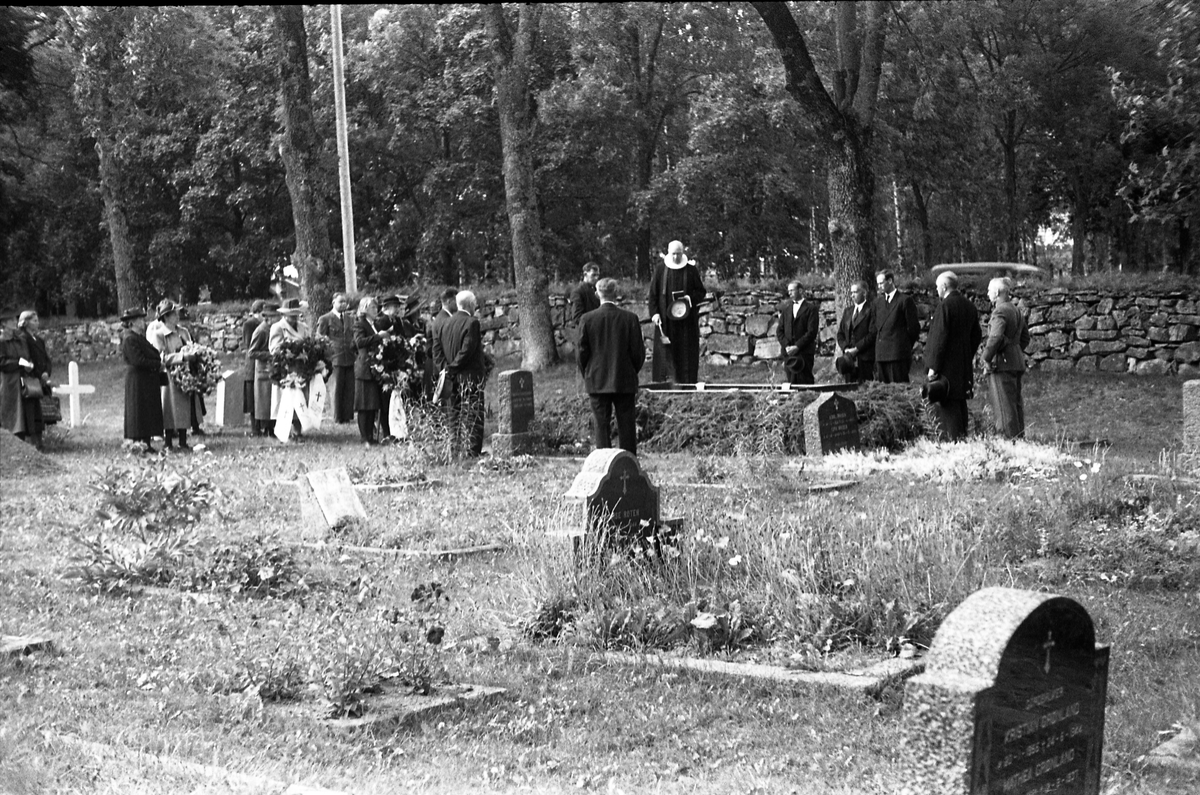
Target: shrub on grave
point(727, 423)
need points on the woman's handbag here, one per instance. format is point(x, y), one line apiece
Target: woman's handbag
point(31, 388)
point(51, 409)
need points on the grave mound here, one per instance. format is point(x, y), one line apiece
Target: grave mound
point(18, 458)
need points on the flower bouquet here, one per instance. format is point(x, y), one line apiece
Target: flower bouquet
point(397, 361)
point(295, 362)
point(201, 373)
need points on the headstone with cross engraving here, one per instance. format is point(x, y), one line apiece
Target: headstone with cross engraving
point(1011, 701)
point(514, 399)
point(74, 389)
point(830, 425)
point(618, 499)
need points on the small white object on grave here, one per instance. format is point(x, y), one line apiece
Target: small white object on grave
point(74, 389)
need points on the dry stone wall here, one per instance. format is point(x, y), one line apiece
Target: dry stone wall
point(1085, 330)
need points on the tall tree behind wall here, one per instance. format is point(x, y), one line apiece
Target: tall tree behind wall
point(843, 123)
point(513, 50)
point(299, 147)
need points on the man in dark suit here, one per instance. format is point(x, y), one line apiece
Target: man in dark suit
point(462, 345)
point(435, 360)
point(954, 335)
point(253, 321)
point(583, 297)
point(337, 326)
point(896, 329)
point(855, 338)
point(611, 353)
point(797, 334)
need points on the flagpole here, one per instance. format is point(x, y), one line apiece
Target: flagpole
point(343, 145)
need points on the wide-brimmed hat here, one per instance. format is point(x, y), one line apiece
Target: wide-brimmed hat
point(133, 313)
point(846, 365)
point(389, 300)
point(793, 361)
point(936, 390)
point(165, 307)
point(290, 307)
point(270, 308)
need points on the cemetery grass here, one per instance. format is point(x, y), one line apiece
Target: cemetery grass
point(165, 670)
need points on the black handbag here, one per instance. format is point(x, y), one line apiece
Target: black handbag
point(51, 409)
point(31, 388)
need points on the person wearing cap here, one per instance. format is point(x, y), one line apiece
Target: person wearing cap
point(337, 326)
point(954, 336)
point(1004, 359)
point(676, 292)
point(896, 328)
point(259, 352)
point(583, 297)
point(253, 321)
point(611, 353)
point(143, 371)
point(368, 394)
point(854, 337)
point(20, 413)
point(462, 345)
point(168, 339)
point(799, 321)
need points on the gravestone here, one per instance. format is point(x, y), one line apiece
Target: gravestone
point(1191, 416)
point(1011, 701)
point(514, 390)
point(229, 400)
point(74, 389)
point(336, 495)
point(620, 504)
point(830, 425)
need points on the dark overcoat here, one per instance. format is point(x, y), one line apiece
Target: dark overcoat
point(143, 400)
point(858, 333)
point(896, 327)
point(462, 345)
point(368, 395)
point(954, 336)
point(611, 351)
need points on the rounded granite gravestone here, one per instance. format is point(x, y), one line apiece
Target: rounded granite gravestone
point(830, 425)
point(1011, 701)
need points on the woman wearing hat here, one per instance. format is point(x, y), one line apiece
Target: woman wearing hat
point(168, 339)
point(143, 368)
point(676, 292)
point(288, 327)
point(368, 395)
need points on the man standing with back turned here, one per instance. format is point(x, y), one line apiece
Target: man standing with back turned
point(896, 329)
point(954, 336)
point(1004, 359)
point(611, 353)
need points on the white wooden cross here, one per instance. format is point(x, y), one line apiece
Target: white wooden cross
point(74, 389)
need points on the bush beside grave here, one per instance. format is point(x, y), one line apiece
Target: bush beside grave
point(731, 423)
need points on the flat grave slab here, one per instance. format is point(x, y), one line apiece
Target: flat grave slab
point(394, 709)
point(832, 485)
point(25, 644)
point(1181, 752)
point(444, 554)
point(336, 495)
point(869, 681)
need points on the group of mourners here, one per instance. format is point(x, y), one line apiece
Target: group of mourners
point(447, 353)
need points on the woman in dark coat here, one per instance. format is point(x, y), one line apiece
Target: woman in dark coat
point(368, 394)
point(19, 414)
point(143, 368)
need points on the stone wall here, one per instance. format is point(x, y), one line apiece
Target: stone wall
point(1083, 330)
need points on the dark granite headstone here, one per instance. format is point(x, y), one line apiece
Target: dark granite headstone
point(616, 494)
point(514, 400)
point(830, 425)
point(1011, 701)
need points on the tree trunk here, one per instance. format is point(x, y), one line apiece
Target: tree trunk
point(299, 146)
point(1008, 145)
point(512, 55)
point(923, 222)
point(118, 226)
point(851, 185)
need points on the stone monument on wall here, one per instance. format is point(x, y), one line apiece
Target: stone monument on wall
point(1011, 701)
point(514, 400)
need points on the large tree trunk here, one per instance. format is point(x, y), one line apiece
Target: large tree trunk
point(118, 225)
point(842, 121)
point(512, 53)
point(1008, 145)
point(923, 222)
point(300, 147)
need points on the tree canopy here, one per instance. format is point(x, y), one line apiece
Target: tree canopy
point(144, 150)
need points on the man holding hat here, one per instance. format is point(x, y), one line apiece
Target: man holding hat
point(954, 336)
point(611, 353)
point(896, 328)
point(143, 371)
point(797, 334)
point(1004, 359)
point(676, 292)
point(856, 339)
